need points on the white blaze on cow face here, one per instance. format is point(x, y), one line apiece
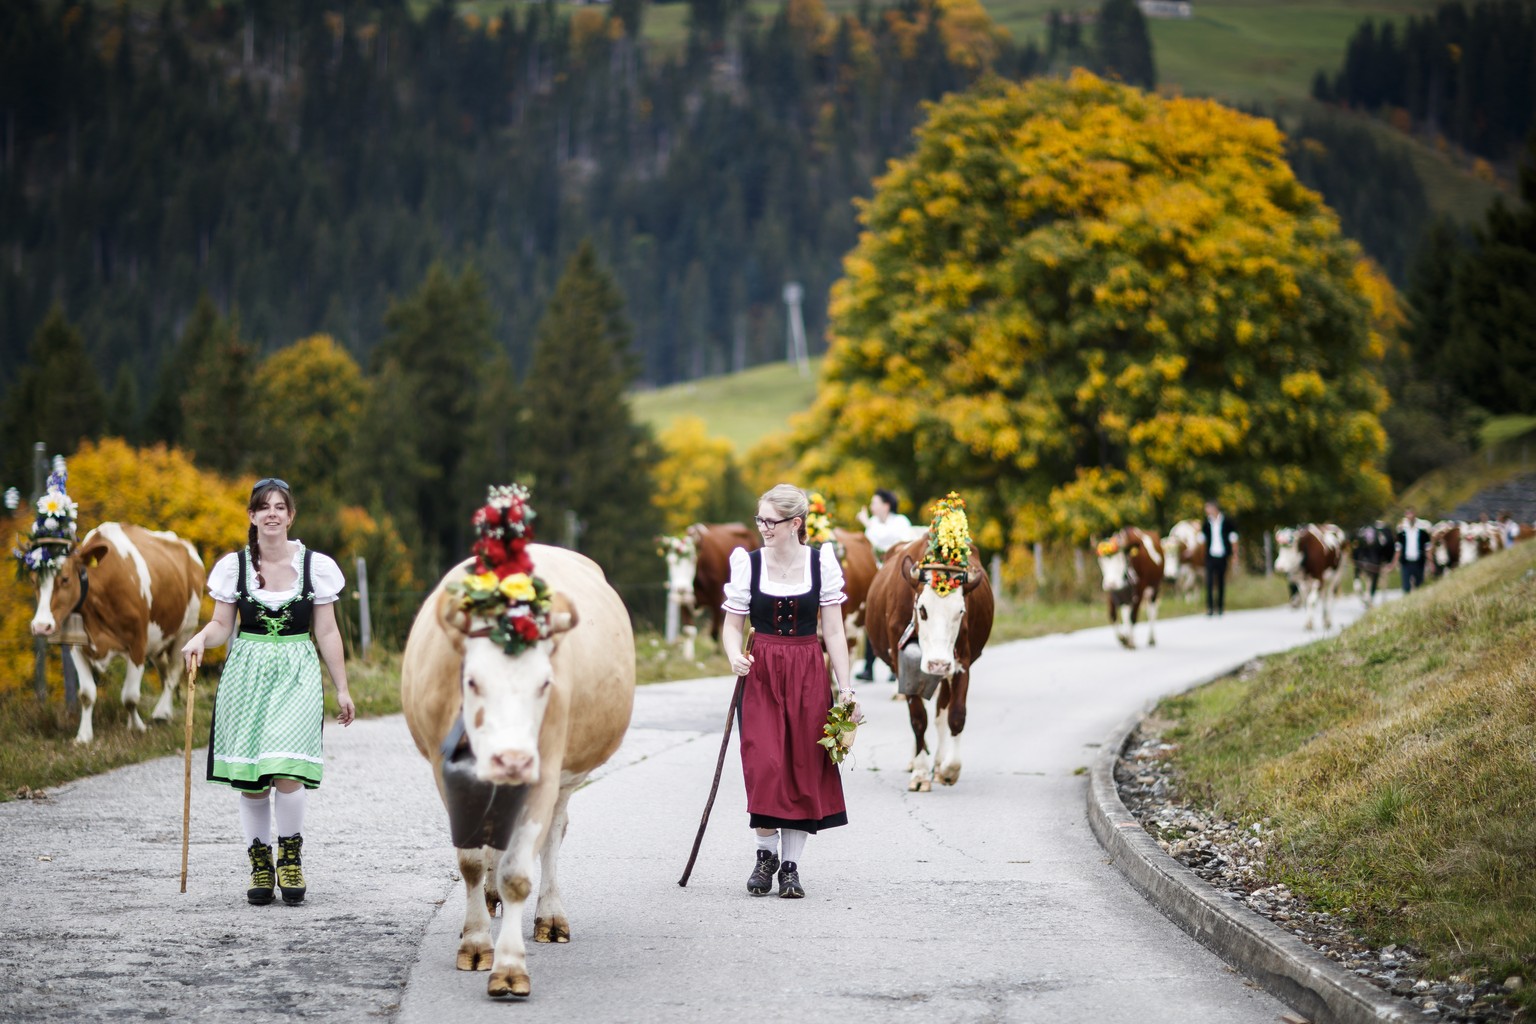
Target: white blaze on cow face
point(43, 622)
point(938, 628)
point(681, 569)
point(1116, 570)
point(505, 697)
point(1288, 553)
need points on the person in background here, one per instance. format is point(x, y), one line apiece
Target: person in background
point(270, 706)
point(1220, 541)
point(885, 527)
point(1412, 549)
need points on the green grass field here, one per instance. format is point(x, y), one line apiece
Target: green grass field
point(743, 407)
point(1397, 764)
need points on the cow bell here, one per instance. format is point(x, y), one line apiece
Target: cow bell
point(73, 634)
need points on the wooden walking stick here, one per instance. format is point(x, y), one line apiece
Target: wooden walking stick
point(725, 742)
point(186, 799)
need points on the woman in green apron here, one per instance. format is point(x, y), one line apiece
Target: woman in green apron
point(269, 707)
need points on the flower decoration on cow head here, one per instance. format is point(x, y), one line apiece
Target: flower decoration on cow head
point(949, 543)
point(1108, 547)
point(43, 551)
point(681, 547)
point(503, 587)
point(818, 521)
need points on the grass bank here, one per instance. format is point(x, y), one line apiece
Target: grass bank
point(1398, 764)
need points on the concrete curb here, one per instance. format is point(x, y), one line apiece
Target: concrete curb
point(1285, 966)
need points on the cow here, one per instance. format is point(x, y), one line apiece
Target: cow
point(139, 593)
point(1371, 550)
point(903, 609)
point(1445, 546)
point(697, 571)
point(1131, 564)
point(857, 557)
point(511, 737)
point(1312, 557)
point(1184, 557)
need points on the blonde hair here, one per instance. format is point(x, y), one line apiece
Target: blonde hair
point(788, 502)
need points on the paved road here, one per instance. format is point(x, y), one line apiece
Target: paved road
point(989, 901)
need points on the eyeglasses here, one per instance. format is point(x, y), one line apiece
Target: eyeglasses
point(764, 524)
point(259, 484)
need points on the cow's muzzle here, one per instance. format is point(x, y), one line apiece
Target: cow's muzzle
point(512, 768)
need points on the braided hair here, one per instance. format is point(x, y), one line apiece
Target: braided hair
point(259, 495)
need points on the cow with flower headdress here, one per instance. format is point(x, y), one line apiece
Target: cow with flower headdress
point(517, 682)
point(928, 616)
point(1131, 565)
point(137, 593)
point(855, 555)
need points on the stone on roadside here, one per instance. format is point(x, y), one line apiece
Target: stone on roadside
point(1514, 983)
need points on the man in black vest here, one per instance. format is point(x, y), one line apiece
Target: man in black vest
point(1412, 550)
point(1220, 541)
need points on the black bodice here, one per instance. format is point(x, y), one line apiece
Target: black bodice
point(785, 616)
point(292, 619)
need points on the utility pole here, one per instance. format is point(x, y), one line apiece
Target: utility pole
point(794, 349)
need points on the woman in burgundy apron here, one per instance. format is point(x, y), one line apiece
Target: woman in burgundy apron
point(793, 788)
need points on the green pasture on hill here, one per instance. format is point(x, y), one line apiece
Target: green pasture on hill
point(1397, 765)
point(741, 407)
point(1509, 451)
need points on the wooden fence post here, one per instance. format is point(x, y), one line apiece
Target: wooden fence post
point(364, 619)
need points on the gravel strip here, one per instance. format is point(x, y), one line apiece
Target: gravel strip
point(1231, 857)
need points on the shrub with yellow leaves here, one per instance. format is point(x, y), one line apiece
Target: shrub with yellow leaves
point(1085, 305)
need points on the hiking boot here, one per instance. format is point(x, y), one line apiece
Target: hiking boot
point(789, 882)
point(260, 892)
point(290, 868)
point(761, 879)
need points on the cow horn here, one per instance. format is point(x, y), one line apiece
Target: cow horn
point(562, 614)
point(910, 570)
point(453, 620)
point(972, 580)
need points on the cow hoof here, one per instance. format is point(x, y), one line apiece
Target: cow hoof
point(474, 956)
point(551, 930)
point(492, 903)
point(1151, 641)
point(508, 982)
point(920, 784)
point(949, 774)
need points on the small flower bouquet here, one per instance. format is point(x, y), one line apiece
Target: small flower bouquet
point(843, 721)
point(52, 537)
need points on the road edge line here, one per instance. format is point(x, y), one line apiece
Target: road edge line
point(1286, 967)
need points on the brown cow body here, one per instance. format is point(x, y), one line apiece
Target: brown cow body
point(142, 593)
point(1133, 574)
point(714, 543)
point(1184, 558)
point(1313, 558)
point(950, 635)
point(859, 569)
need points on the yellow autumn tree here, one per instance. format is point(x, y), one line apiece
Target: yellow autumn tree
point(1082, 305)
point(697, 478)
point(308, 402)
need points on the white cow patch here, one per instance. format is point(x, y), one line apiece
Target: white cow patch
point(115, 535)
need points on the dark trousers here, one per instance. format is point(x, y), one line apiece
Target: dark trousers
point(1215, 583)
point(1413, 574)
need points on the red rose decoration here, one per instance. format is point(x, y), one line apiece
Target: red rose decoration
point(526, 628)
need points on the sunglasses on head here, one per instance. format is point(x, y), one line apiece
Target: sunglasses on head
point(259, 484)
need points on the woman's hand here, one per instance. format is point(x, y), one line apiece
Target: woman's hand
point(192, 653)
point(741, 664)
point(346, 710)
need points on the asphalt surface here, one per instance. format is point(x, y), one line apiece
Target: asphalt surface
point(988, 901)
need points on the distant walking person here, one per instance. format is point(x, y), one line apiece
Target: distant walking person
point(1220, 541)
point(885, 527)
point(1412, 549)
point(270, 707)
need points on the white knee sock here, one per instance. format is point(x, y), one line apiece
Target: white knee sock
point(794, 844)
point(256, 819)
point(769, 842)
point(288, 809)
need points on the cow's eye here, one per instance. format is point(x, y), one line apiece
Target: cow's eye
point(474, 687)
point(544, 687)
point(922, 612)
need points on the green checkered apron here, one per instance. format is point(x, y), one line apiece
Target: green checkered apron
point(270, 706)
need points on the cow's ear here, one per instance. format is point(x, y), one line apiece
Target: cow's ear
point(94, 552)
point(972, 579)
point(450, 615)
point(909, 571)
point(562, 614)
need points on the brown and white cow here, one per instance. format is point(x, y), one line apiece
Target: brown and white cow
point(949, 632)
point(1131, 564)
point(139, 592)
point(1445, 546)
point(698, 571)
point(1184, 557)
point(858, 562)
point(1312, 557)
point(510, 738)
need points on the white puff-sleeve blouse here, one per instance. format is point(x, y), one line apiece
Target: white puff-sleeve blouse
point(738, 590)
point(325, 576)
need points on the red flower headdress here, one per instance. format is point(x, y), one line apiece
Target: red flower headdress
point(503, 587)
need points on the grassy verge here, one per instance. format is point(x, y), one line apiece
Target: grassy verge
point(1398, 764)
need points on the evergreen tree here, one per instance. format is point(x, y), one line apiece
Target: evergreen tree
point(57, 398)
point(217, 409)
point(164, 420)
point(123, 406)
point(1124, 47)
point(582, 452)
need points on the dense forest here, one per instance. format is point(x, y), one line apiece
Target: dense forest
point(1467, 72)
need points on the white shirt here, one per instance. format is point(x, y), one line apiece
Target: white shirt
point(886, 534)
point(1218, 537)
point(738, 590)
point(1411, 541)
point(325, 577)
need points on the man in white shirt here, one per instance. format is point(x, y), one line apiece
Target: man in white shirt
point(885, 528)
point(1412, 549)
point(1220, 541)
